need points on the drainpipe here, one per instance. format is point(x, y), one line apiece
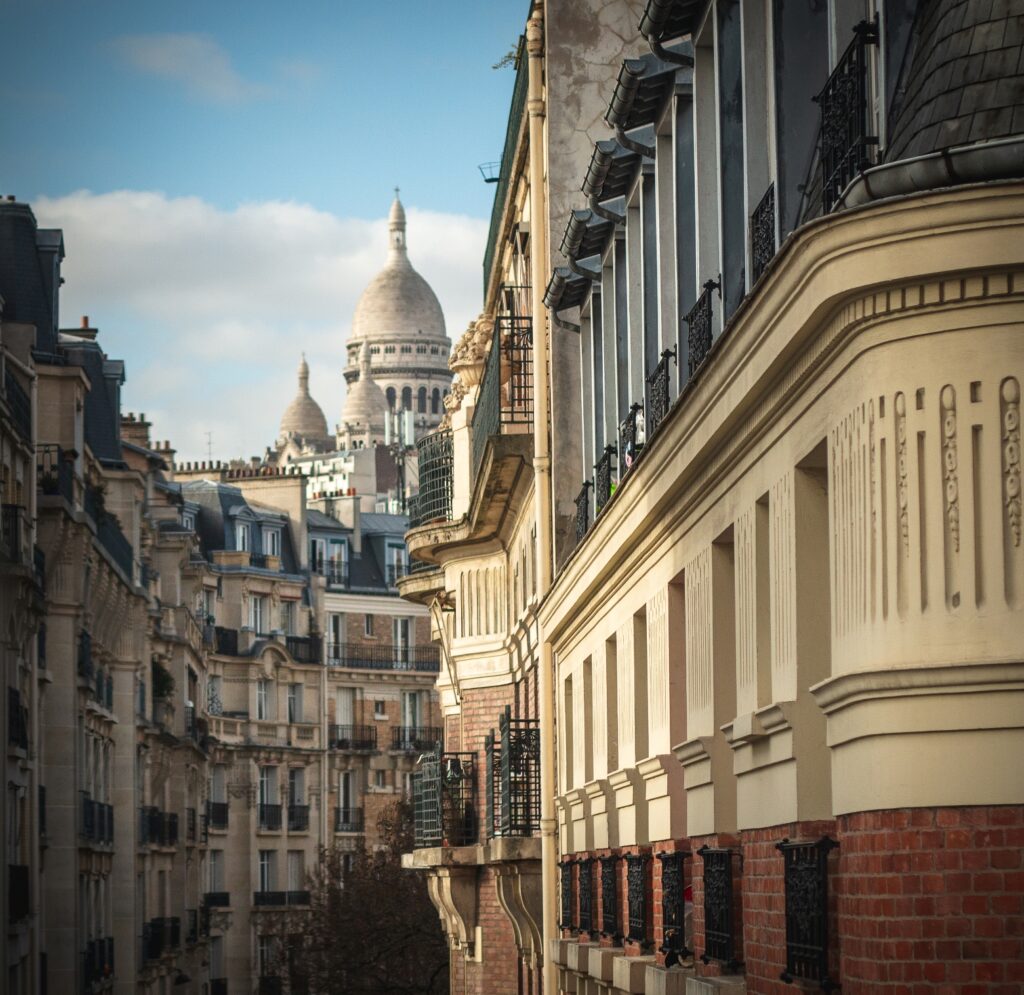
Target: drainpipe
point(542, 482)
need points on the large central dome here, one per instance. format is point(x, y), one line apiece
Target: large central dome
point(398, 301)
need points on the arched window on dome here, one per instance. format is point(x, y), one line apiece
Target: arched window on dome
point(421, 401)
point(407, 349)
point(390, 393)
point(389, 350)
point(407, 398)
point(435, 401)
point(421, 350)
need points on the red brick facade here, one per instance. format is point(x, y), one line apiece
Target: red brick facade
point(920, 901)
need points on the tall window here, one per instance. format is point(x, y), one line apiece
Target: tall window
point(216, 870)
point(288, 617)
point(317, 555)
point(421, 400)
point(272, 542)
point(391, 396)
point(368, 625)
point(218, 781)
point(268, 785)
point(411, 709)
point(257, 612)
point(267, 870)
point(400, 634)
point(241, 535)
point(294, 702)
point(263, 698)
point(407, 398)
point(435, 401)
point(336, 632)
point(296, 871)
point(296, 785)
point(345, 795)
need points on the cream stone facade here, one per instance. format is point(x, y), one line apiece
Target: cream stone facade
point(774, 549)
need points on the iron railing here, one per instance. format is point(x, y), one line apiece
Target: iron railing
point(762, 234)
point(673, 907)
point(515, 119)
point(191, 925)
point(631, 436)
point(269, 816)
point(217, 899)
point(17, 719)
point(659, 392)
point(367, 657)
point(42, 809)
point(513, 331)
point(108, 532)
point(336, 571)
point(565, 893)
point(434, 502)
point(603, 478)
point(583, 510)
point(487, 413)
point(218, 986)
point(701, 326)
point(225, 640)
point(348, 820)
point(586, 892)
point(415, 739)
point(520, 775)
point(492, 785)
point(353, 737)
point(18, 895)
point(217, 815)
point(85, 655)
point(444, 800)
point(305, 649)
point(18, 404)
point(280, 898)
point(395, 572)
point(610, 927)
point(719, 911)
point(54, 473)
point(805, 877)
point(14, 532)
point(637, 873)
point(298, 818)
point(845, 144)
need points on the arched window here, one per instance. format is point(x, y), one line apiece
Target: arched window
point(390, 392)
point(435, 401)
point(407, 398)
point(421, 401)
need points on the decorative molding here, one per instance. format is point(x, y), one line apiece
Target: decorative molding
point(902, 492)
point(1010, 400)
point(947, 400)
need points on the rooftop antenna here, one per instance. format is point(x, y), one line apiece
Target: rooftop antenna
point(209, 446)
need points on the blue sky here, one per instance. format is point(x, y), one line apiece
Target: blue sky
point(222, 172)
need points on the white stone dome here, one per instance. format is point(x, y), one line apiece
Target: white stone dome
point(365, 403)
point(398, 302)
point(304, 418)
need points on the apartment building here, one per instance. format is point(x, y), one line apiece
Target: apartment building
point(777, 543)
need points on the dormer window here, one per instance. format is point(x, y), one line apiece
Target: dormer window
point(272, 542)
point(188, 521)
point(242, 535)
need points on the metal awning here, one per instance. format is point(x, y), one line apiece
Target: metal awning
point(586, 235)
point(611, 171)
point(666, 19)
point(640, 92)
point(566, 289)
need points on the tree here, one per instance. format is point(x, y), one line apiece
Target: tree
point(370, 929)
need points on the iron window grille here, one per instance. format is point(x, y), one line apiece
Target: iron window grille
point(348, 820)
point(610, 927)
point(805, 878)
point(565, 889)
point(305, 649)
point(586, 889)
point(520, 775)
point(583, 510)
point(659, 394)
point(435, 456)
point(603, 479)
point(639, 925)
point(700, 324)
point(845, 144)
point(217, 815)
point(17, 720)
point(631, 436)
point(492, 785)
point(269, 816)
point(719, 912)
point(762, 234)
point(673, 907)
point(298, 818)
point(444, 800)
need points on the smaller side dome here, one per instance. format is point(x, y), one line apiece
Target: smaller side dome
point(304, 418)
point(365, 403)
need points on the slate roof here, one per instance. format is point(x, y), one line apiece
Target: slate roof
point(103, 402)
point(962, 79)
point(25, 277)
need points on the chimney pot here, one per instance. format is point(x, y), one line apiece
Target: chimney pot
point(11, 197)
point(85, 321)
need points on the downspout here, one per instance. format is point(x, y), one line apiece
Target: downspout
point(542, 485)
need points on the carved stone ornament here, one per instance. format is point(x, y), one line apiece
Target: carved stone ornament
point(470, 353)
point(1011, 456)
point(949, 464)
point(901, 470)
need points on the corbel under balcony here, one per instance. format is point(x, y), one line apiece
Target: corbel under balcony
point(519, 887)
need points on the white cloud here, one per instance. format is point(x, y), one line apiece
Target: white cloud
point(210, 309)
point(195, 60)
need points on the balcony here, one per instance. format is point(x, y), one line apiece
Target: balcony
point(336, 572)
point(305, 649)
point(18, 895)
point(85, 655)
point(14, 534)
point(395, 572)
point(97, 962)
point(444, 800)
point(192, 926)
point(17, 720)
point(269, 817)
point(434, 502)
point(415, 739)
point(218, 986)
point(270, 984)
point(55, 473)
point(217, 900)
point(217, 815)
point(426, 659)
point(157, 828)
point(355, 738)
point(108, 532)
point(348, 820)
point(298, 818)
point(225, 641)
point(513, 777)
point(280, 898)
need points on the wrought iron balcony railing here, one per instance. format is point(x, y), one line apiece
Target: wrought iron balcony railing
point(518, 811)
point(298, 818)
point(659, 392)
point(701, 327)
point(18, 404)
point(225, 640)
point(348, 820)
point(395, 572)
point(583, 510)
point(567, 919)
point(845, 143)
point(217, 815)
point(353, 737)
point(17, 720)
point(415, 739)
point(603, 479)
point(269, 816)
point(762, 234)
point(445, 800)
point(217, 900)
point(85, 655)
point(14, 533)
point(367, 657)
point(336, 572)
point(632, 436)
point(305, 649)
point(434, 502)
point(18, 894)
point(55, 473)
